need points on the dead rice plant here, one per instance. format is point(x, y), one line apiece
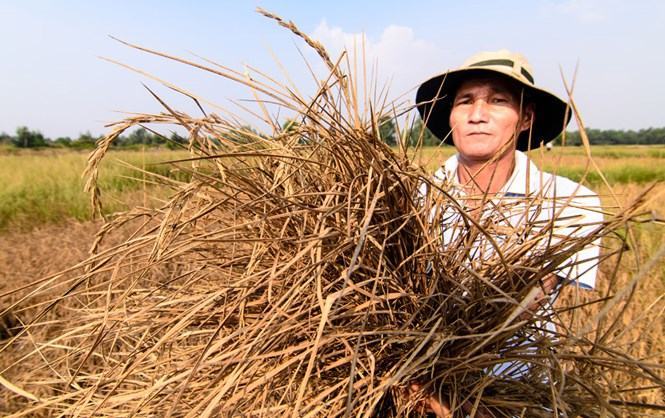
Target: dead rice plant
point(300, 273)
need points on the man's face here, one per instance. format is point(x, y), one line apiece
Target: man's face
point(484, 119)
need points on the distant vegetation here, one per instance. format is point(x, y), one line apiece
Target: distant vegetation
point(28, 138)
point(389, 130)
point(649, 136)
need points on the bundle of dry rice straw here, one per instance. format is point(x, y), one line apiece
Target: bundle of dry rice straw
point(302, 274)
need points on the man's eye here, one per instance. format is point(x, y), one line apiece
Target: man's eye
point(499, 100)
point(462, 101)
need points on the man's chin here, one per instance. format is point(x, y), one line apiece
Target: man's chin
point(477, 156)
point(483, 154)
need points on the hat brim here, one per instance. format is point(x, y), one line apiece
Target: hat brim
point(435, 96)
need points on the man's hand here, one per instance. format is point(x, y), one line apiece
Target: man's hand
point(429, 404)
point(433, 405)
point(547, 286)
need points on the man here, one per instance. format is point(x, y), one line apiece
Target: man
point(493, 111)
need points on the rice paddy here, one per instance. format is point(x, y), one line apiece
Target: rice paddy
point(25, 251)
point(46, 187)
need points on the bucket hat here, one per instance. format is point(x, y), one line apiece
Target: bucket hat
point(435, 96)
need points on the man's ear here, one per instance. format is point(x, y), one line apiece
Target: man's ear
point(527, 117)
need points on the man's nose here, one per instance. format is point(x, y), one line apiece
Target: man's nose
point(479, 111)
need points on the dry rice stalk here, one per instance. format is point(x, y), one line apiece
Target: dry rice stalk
point(302, 274)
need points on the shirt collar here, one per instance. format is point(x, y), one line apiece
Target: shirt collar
point(522, 182)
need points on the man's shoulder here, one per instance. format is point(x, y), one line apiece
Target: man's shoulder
point(552, 184)
point(447, 172)
point(574, 199)
point(565, 187)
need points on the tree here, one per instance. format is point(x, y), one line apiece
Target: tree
point(176, 141)
point(25, 138)
point(139, 137)
point(119, 141)
point(5, 138)
point(387, 131)
point(420, 134)
point(245, 134)
point(63, 141)
point(290, 125)
point(85, 140)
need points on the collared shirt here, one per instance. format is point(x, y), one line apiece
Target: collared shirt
point(534, 207)
point(534, 215)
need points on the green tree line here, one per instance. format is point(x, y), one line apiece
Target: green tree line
point(389, 131)
point(28, 138)
point(649, 136)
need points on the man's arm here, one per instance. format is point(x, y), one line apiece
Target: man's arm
point(547, 286)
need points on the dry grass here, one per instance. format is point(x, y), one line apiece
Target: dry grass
point(301, 273)
point(635, 323)
point(26, 256)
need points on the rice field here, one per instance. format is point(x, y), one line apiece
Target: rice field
point(45, 222)
point(619, 164)
point(46, 187)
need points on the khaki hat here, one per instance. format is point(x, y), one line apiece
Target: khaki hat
point(435, 96)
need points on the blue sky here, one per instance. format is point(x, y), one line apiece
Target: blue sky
point(51, 78)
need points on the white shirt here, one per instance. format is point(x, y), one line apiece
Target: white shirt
point(536, 208)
